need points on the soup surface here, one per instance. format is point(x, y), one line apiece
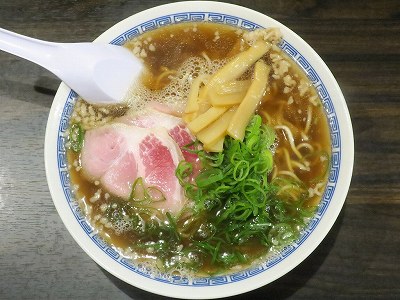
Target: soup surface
point(237, 206)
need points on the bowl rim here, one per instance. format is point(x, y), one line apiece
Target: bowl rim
point(53, 159)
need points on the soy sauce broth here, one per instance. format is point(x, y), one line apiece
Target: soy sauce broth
point(164, 50)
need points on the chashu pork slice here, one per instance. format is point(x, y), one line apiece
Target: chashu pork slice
point(152, 118)
point(118, 154)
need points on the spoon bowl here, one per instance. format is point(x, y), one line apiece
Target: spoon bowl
point(99, 73)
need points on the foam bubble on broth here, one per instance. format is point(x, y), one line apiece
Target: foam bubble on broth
point(122, 226)
point(175, 93)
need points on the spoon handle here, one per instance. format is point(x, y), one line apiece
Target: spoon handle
point(34, 50)
point(62, 59)
point(99, 73)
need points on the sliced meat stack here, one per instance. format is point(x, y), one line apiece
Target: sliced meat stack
point(146, 146)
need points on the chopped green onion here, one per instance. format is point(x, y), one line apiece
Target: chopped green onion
point(76, 137)
point(209, 177)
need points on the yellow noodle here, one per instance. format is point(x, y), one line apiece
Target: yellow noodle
point(304, 136)
point(288, 187)
point(274, 172)
point(288, 173)
point(164, 74)
point(305, 145)
point(284, 188)
point(293, 128)
point(300, 165)
point(206, 57)
point(290, 139)
point(309, 116)
point(288, 161)
point(266, 116)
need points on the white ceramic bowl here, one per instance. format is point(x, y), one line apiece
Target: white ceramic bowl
point(220, 286)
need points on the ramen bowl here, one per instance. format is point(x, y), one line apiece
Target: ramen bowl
point(264, 272)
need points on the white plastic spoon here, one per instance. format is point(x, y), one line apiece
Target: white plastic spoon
point(99, 73)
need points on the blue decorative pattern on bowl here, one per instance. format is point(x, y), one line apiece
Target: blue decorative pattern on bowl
point(271, 261)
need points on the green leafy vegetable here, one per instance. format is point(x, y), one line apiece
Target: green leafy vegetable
point(240, 202)
point(76, 137)
point(145, 195)
point(153, 231)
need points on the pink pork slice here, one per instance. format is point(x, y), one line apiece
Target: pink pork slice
point(153, 117)
point(118, 154)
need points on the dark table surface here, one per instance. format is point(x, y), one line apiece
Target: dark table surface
point(360, 257)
